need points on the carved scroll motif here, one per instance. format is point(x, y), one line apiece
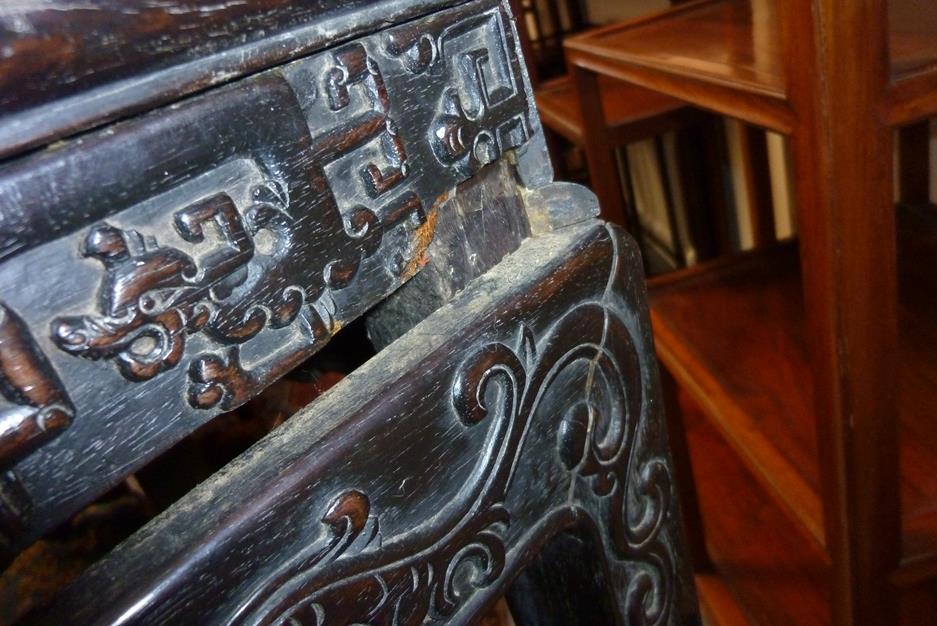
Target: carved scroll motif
point(152, 296)
point(38, 409)
point(500, 388)
point(241, 268)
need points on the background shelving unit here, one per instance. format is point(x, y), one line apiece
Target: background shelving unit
point(815, 361)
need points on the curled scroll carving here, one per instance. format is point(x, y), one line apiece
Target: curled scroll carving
point(38, 408)
point(240, 270)
point(430, 571)
point(229, 265)
point(153, 296)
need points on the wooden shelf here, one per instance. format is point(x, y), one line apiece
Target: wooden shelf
point(726, 55)
point(732, 334)
point(764, 572)
point(625, 106)
point(913, 42)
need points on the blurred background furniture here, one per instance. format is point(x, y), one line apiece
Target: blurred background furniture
point(815, 361)
point(685, 183)
point(632, 114)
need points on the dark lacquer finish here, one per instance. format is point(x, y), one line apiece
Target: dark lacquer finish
point(420, 486)
point(169, 267)
point(68, 66)
point(201, 251)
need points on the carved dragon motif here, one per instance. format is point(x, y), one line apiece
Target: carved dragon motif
point(265, 274)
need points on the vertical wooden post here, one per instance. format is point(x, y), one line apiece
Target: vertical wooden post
point(758, 181)
point(838, 68)
point(599, 153)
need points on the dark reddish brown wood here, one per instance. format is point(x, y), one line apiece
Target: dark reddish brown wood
point(600, 154)
point(758, 182)
point(914, 163)
point(630, 113)
point(734, 61)
point(677, 425)
point(703, 52)
point(837, 79)
point(747, 370)
point(833, 77)
point(777, 578)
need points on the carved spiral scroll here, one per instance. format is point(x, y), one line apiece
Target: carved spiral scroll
point(462, 549)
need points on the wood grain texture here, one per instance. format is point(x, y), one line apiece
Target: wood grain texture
point(836, 77)
point(731, 64)
point(69, 66)
point(416, 489)
point(203, 250)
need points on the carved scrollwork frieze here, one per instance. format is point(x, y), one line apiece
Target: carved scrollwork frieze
point(241, 269)
point(201, 251)
point(480, 112)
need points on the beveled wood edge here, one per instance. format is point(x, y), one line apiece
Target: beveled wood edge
point(718, 604)
point(723, 263)
point(765, 108)
point(628, 131)
point(107, 103)
point(654, 16)
point(911, 97)
point(783, 481)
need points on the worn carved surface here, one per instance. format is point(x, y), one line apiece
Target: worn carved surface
point(229, 185)
point(419, 488)
point(201, 251)
point(67, 66)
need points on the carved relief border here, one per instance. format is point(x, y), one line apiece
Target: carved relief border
point(527, 418)
point(234, 279)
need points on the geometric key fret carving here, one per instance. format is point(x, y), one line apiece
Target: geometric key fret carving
point(279, 259)
point(206, 248)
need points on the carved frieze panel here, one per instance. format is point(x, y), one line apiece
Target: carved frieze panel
point(527, 407)
point(173, 265)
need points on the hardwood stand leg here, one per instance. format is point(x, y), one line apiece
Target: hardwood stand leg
point(603, 171)
point(683, 470)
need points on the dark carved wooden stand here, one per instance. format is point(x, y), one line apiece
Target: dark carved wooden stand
point(169, 266)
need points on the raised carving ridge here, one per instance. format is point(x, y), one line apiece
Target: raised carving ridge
point(242, 268)
point(38, 409)
point(480, 113)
